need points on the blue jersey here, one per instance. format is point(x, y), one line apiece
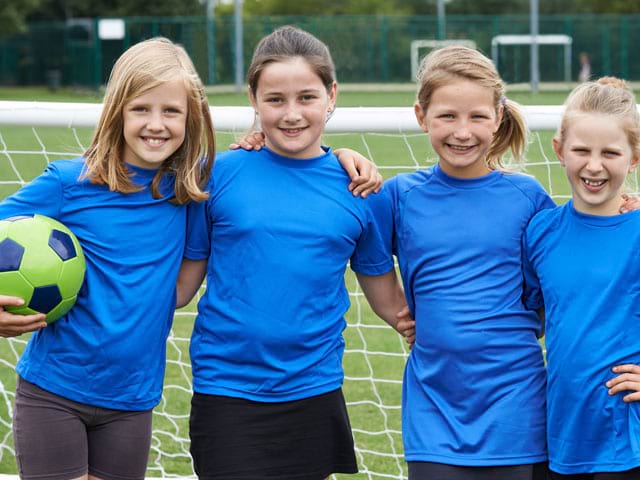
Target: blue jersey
point(473, 390)
point(109, 350)
point(278, 233)
point(585, 267)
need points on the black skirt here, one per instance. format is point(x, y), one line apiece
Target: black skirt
point(238, 439)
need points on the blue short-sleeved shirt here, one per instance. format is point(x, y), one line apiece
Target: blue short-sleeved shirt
point(109, 350)
point(473, 391)
point(585, 266)
point(279, 233)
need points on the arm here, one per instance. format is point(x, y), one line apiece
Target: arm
point(385, 295)
point(13, 325)
point(190, 278)
point(627, 379)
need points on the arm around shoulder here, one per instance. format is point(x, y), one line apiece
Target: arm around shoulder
point(384, 294)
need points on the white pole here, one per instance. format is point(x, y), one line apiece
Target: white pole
point(211, 44)
point(442, 28)
point(239, 47)
point(535, 63)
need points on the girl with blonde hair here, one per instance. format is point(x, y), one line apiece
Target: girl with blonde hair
point(581, 260)
point(88, 382)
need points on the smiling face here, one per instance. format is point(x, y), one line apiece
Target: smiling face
point(597, 157)
point(461, 120)
point(292, 104)
point(155, 124)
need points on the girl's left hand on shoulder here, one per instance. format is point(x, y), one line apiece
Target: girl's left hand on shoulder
point(630, 203)
point(627, 379)
point(251, 141)
point(364, 175)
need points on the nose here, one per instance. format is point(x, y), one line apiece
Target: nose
point(594, 165)
point(462, 131)
point(292, 115)
point(155, 122)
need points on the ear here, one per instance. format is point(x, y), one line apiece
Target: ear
point(421, 116)
point(557, 147)
point(332, 94)
point(252, 98)
point(634, 163)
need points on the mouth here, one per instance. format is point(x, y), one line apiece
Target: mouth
point(460, 148)
point(153, 141)
point(593, 184)
point(292, 131)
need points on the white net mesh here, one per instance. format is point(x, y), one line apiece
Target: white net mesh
point(374, 356)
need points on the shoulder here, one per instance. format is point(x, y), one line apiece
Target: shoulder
point(66, 171)
point(405, 182)
point(545, 220)
point(528, 187)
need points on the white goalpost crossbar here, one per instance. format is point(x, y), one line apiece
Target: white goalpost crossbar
point(344, 119)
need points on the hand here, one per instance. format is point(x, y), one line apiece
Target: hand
point(364, 175)
point(13, 325)
point(406, 326)
point(630, 203)
point(628, 379)
point(251, 141)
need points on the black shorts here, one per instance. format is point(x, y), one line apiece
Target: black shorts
point(238, 439)
point(633, 474)
point(441, 471)
point(56, 438)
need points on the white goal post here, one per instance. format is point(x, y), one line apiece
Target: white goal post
point(552, 39)
point(416, 45)
point(239, 119)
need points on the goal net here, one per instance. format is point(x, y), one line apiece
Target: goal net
point(33, 134)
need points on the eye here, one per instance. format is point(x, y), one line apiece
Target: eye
point(611, 153)
point(273, 100)
point(173, 110)
point(308, 97)
point(480, 116)
point(138, 108)
point(580, 150)
point(446, 116)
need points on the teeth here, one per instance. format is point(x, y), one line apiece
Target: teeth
point(155, 141)
point(593, 183)
point(460, 148)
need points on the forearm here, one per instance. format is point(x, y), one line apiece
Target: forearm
point(190, 278)
point(384, 294)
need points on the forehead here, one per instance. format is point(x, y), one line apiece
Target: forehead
point(294, 73)
point(462, 94)
point(596, 129)
point(170, 91)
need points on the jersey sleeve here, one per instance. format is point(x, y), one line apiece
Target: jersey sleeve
point(43, 195)
point(373, 254)
point(198, 231)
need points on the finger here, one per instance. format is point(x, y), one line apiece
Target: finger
point(632, 397)
point(626, 368)
point(234, 146)
point(627, 385)
point(11, 301)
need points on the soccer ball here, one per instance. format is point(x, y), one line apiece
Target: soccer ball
point(41, 262)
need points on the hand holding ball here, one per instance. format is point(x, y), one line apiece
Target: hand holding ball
point(41, 261)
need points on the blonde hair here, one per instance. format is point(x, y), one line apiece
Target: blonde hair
point(141, 68)
point(455, 62)
point(607, 96)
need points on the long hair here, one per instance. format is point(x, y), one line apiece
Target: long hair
point(608, 96)
point(141, 68)
point(456, 62)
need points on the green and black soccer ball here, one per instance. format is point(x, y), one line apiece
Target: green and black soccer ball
point(41, 261)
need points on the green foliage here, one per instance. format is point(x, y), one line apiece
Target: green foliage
point(63, 9)
point(12, 15)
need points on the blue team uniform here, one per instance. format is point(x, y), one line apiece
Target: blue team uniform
point(278, 233)
point(473, 390)
point(585, 267)
point(109, 350)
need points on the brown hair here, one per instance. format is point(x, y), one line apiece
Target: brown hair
point(287, 42)
point(456, 62)
point(606, 96)
point(141, 68)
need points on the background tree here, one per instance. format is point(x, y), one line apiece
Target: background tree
point(13, 15)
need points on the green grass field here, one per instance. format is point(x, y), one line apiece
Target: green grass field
point(375, 355)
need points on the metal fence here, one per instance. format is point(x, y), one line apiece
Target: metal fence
point(365, 48)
